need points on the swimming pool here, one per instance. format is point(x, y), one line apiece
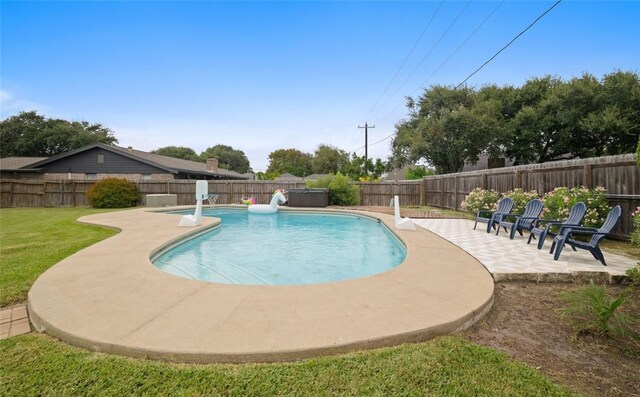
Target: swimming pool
point(285, 248)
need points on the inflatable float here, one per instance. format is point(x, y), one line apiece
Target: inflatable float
point(272, 207)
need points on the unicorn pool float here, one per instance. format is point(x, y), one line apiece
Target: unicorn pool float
point(272, 207)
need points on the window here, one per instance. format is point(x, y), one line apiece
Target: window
point(90, 177)
point(145, 177)
point(100, 158)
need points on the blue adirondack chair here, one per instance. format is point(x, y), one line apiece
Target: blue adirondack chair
point(564, 236)
point(524, 221)
point(576, 213)
point(504, 207)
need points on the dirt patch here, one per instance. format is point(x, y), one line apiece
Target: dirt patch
point(525, 323)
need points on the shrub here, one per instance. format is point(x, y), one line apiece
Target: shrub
point(113, 193)
point(341, 190)
point(634, 275)
point(520, 199)
point(635, 235)
point(591, 311)
point(480, 199)
point(417, 173)
point(558, 202)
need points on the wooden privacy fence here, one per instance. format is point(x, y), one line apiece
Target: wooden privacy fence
point(619, 175)
point(40, 193)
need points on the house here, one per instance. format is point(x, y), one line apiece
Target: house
point(398, 174)
point(19, 167)
point(315, 177)
point(287, 177)
point(486, 162)
point(98, 161)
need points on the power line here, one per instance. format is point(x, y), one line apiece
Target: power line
point(405, 59)
point(424, 58)
point(377, 142)
point(463, 43)
point(489, 60)
point(509, 43)
point(448, 58)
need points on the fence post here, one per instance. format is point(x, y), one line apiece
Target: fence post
point(455, 192)
point(441, 192)
point(518, 180)
point(586, 176)
point(73, 193)
point(423, 188)
point(11, 200)
point(484, 181)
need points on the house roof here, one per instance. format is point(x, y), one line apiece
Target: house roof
point(315, 177)
point(169, 164)
point(288, 177)
point(16, 163)
point(398, 174)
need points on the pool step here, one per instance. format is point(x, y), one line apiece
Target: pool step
point(221, 271)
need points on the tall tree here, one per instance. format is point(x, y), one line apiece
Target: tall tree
point(534, 133)
point(360, 168)
point(292, 161)
point(620, 112)
point(544, 120)
point(179, 152)
point(228, 157)
point(329, 159)
point(29, 134)
point(444, 129)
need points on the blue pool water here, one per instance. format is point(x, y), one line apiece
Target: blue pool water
point(285, 248)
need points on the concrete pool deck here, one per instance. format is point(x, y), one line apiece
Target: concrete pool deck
point(109, 297)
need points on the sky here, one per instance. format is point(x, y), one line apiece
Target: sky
point(262, 76)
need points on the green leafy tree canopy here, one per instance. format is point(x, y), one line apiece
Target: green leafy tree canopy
point(545, 119)
point(29, 134)
point(228, 157)
point(179, 152)
point(329, 159)
point(291, 161)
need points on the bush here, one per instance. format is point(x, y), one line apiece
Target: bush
point(341, 190)
point(558, 202)
point(634, 275)
point(635, 235)
point(480, 199)
point(417, 173)
point(113, 193)
point(520, 199)
point(591, 311)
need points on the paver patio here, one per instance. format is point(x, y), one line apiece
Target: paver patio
point(14, 320)
point(506, 258)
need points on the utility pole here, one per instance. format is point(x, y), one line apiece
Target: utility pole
point(366, 145)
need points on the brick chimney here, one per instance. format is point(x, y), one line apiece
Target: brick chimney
point(212, 165)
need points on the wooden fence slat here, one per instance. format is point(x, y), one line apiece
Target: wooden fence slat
point(619, 175)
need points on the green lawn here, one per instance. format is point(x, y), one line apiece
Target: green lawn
point(36, 364)
point(446, 366)
point(34, 239)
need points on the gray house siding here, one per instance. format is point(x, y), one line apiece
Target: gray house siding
point(113, 163)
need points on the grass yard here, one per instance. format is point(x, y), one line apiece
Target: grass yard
point(34, 239)
point(35, 364)
point(447, 366)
